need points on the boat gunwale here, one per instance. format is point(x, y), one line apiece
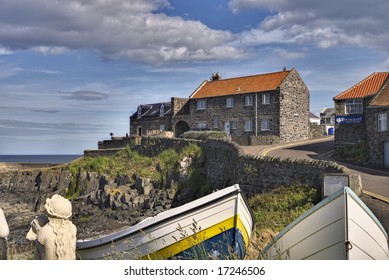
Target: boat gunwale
point(321, 204)
point(144, 225)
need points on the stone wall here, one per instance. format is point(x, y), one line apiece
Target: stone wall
point(315, 130)
point(376, 139)
point(179, 106)
point(227, 164)
point(116, 143)
point(294, 108)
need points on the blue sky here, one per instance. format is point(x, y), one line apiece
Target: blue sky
point(72, 72)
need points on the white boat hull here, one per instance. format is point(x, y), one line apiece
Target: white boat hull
point(177, 230)
point(341, 227)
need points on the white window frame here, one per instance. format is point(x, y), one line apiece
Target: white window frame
point(202, 125)
point(230, 102)
point(353, 106)
point(215, 122)
point(382, 122)
point(162, 127)
point(248, 100)
point(265, 124)
point(248, 125)
point(201, 104)
point(266, 99)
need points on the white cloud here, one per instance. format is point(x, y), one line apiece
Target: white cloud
point(324, 23)
point(4, 51)
point(133, 29)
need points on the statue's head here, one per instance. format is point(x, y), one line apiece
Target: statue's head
point(59, 207)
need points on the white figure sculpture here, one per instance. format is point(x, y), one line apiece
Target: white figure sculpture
point(55, 239)
point(4, 232)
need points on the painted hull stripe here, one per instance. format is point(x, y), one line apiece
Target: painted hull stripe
point(189, 241)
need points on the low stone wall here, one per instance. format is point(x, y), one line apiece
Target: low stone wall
point(101, 152)
point(315, 130)
point(227, 164)
point(117, 142)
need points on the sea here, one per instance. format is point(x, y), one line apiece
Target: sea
point(59, 159)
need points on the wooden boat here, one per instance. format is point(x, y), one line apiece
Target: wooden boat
point(340, 227)
point(218, 226)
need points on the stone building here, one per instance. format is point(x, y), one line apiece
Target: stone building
point(150, 118)
point(377, 127)
point(259, 109)
point(357, 112)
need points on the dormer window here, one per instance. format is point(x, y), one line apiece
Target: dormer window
point(162, 110)
point(139, 112)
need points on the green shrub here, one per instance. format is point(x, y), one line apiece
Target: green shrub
point(357, 152)
point(204, 135)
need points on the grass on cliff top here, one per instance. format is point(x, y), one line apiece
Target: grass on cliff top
point(130, 162)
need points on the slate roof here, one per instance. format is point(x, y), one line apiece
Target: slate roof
point(313, 116)
point(367, 87)
point(240, 85)
point(382, 98)
point(152, 110)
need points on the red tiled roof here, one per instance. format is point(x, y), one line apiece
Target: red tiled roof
point(382, 99)
point(257, 83)
point(368, 86)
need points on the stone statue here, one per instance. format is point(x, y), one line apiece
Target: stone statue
point(54, 236)
point(4, 232)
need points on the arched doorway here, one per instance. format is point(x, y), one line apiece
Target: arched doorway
point(181, 127)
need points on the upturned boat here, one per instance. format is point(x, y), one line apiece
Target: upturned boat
point(340, 227)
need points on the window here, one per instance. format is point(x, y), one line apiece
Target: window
point(162, 127)
point(354, 106)
point(234, 124)
point(162, 110)
point(201, 104)
point(248, 100)
point(382, 122)
point(202, 125)
point(248, 125)
point(265, 125)
point(215, 122)
point(230, 102)
point(266, 98)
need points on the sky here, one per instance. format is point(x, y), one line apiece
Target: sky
point(74, 71)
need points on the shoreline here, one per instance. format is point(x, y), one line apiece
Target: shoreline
point(15, 166)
